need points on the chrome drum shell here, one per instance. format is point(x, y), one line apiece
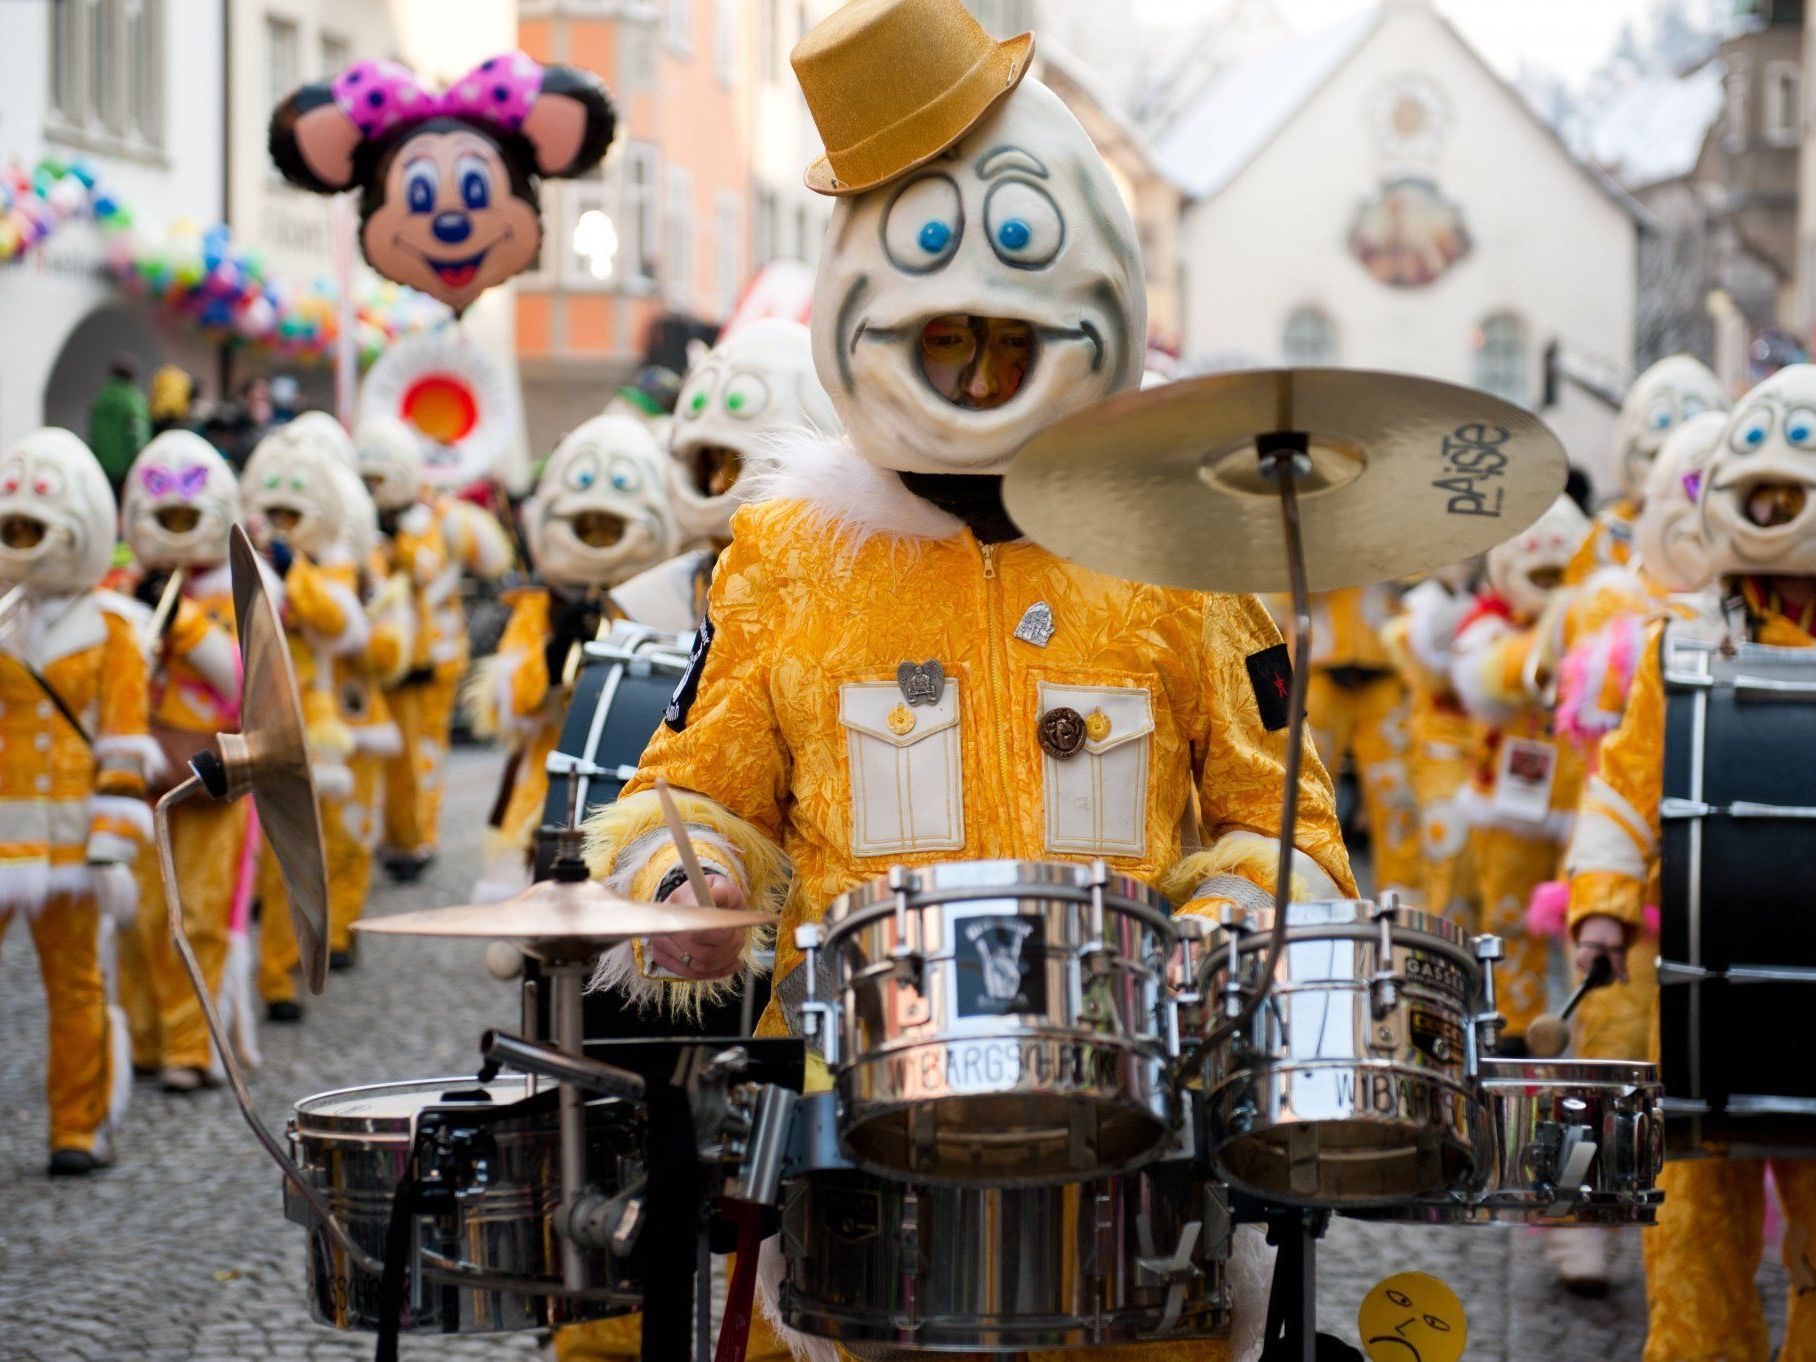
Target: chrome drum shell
point(1001, 1022)
point(1319, 1101)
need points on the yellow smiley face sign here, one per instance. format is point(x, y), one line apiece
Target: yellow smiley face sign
point(1412, 1317)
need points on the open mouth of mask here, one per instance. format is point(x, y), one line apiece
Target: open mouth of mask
point(977, 363)
point(177, 519)
point(375, 482)
point(21, 532)
point(1545, 578)
point(284, 519)
point(1770, 505)
point(716, 469)
point(599, 529)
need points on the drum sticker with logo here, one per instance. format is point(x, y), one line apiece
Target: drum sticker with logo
point(1523, 778)
point(1437, 1036)
point(1271, 674)
point(688, 687)
point(1001, 965)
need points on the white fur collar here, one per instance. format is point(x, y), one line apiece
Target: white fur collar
point(845, 493)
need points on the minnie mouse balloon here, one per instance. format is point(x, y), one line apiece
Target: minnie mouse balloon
point(447, 181)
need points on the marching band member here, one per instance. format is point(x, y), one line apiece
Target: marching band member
point(310, 513)
point(739, 403)
point(1524, 784)
point(1756, 516)
point(180, 500)
point(74, 758)
point(599, 514)
point(432, 542)
point(888, 672)
point(1666, 395)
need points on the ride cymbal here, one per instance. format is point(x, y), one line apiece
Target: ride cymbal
point(1401, 475)
point(270, 758)
point(550, 910)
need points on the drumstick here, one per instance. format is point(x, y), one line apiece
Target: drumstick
point(1547, 1035)
point(684, 845)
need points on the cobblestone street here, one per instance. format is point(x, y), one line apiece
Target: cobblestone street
point(181, 1251)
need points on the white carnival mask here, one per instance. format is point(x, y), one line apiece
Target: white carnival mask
point(1669, 533)
point(1524, 570)
point(180, 500)
point(1758, 512)
point(600, 511)
point(747, 392)
point(57, 513)
point(968, 304)
point(1661, 399)
point(390, 461)
point(299, 487)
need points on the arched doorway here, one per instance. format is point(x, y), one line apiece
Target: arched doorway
point(82, 364)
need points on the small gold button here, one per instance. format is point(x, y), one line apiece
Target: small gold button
point(1097, 725)
point(901, 721)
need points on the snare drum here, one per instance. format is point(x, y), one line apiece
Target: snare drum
point(1337, 1093)
point(1001, 1022)
point(1130, 1258)
point(497, 1153)
point(1577, 1142)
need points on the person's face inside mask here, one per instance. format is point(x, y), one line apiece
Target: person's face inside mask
point(976, 362)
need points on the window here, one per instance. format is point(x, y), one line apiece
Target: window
point(681, 27)
point(769, 40)
point(337, 55)
point(765, 228)
point(1734, 120)
point(678, 249)
point(1783, 101)
point(1004, 18)
point(728, 250)
point(1500, 358)
point(283, 60)
point(592, 250)
point(639, 216)
point(1310, 338)
point(107, 72)
point(725, 42)
point(800, 232)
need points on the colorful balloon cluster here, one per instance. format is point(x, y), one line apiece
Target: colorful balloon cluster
point(197, 272)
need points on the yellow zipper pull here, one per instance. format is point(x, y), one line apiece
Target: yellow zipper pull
point(989, 552)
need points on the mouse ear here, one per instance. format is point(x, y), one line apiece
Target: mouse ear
point(312, 140)
point(571, 122)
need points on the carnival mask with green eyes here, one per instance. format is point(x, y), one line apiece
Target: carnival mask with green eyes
point(1759, 515)
point(966, 305)
point(735, 406)
point(600, 512)
point(1661, 399)
point(300, 486)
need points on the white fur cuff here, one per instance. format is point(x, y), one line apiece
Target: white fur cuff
point(138, 752)
point(136, 813)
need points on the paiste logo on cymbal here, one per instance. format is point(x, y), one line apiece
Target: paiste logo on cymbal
point(1412, 1317)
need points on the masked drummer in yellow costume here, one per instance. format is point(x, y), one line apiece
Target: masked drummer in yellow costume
point(1759, 525)
point(74, 756)
point(432, 543)
point(890, 674)
point(179, 501)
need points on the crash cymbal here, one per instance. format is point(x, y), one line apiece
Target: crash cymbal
point(549, 911)
point(270, 757)
point(1402, 475)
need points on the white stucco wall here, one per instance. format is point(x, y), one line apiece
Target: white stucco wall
point(1548, 244)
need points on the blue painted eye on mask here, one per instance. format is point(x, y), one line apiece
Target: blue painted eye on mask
point(934, 237)
point(1014, 235)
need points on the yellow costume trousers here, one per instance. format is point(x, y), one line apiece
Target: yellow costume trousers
point(1366, 724)
point(162, 1010)
point(279, 955)
point(1441, 770)
point(79, 1075)
point(349, 833)
point(1508, 867)
point(1700, 1260)
point(423, 714)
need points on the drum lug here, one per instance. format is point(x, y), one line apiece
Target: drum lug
point(1185, 1003)
point(1486, 1025)
point(907, 964)
point(908, 1242)
point(1384, 986)
point(819, 1020)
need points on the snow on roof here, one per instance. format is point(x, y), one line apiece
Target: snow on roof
point(1239, 110)
point(1652, 130)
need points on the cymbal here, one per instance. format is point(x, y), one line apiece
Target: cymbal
point(1405, 475)
point(270, 756)
point(585, 913)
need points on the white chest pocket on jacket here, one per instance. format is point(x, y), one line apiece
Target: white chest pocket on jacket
point(1097, 798)
point(907, 787)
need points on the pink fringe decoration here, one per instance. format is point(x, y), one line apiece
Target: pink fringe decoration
point(245, 885)
point(1548, 909)
point(1650, 916)
point(1605, 661)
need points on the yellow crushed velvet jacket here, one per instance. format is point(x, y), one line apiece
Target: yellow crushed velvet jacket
point(809, 774)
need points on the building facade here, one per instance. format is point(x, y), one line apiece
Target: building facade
point(1365, 197)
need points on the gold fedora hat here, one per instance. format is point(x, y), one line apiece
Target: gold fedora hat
point(893, 83)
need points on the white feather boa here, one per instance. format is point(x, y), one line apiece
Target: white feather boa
point(842, 492)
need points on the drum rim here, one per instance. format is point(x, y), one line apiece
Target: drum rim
point(1125, 894)
point(1407, 919)
point(1568, 1073)
point(312, 1121)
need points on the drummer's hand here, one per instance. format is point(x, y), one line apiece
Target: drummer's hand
point(703, 955)
point(1599, 934)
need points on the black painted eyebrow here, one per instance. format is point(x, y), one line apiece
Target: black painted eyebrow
point(998, 159)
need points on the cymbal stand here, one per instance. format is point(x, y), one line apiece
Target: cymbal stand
point(1292, 1304)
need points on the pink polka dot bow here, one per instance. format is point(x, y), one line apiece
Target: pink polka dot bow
point(379, 95)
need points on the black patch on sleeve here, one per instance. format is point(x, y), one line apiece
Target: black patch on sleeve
point(1271, 674)
point(688, 687)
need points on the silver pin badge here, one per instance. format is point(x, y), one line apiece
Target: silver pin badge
point(921, 684)
point(1036, 625)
